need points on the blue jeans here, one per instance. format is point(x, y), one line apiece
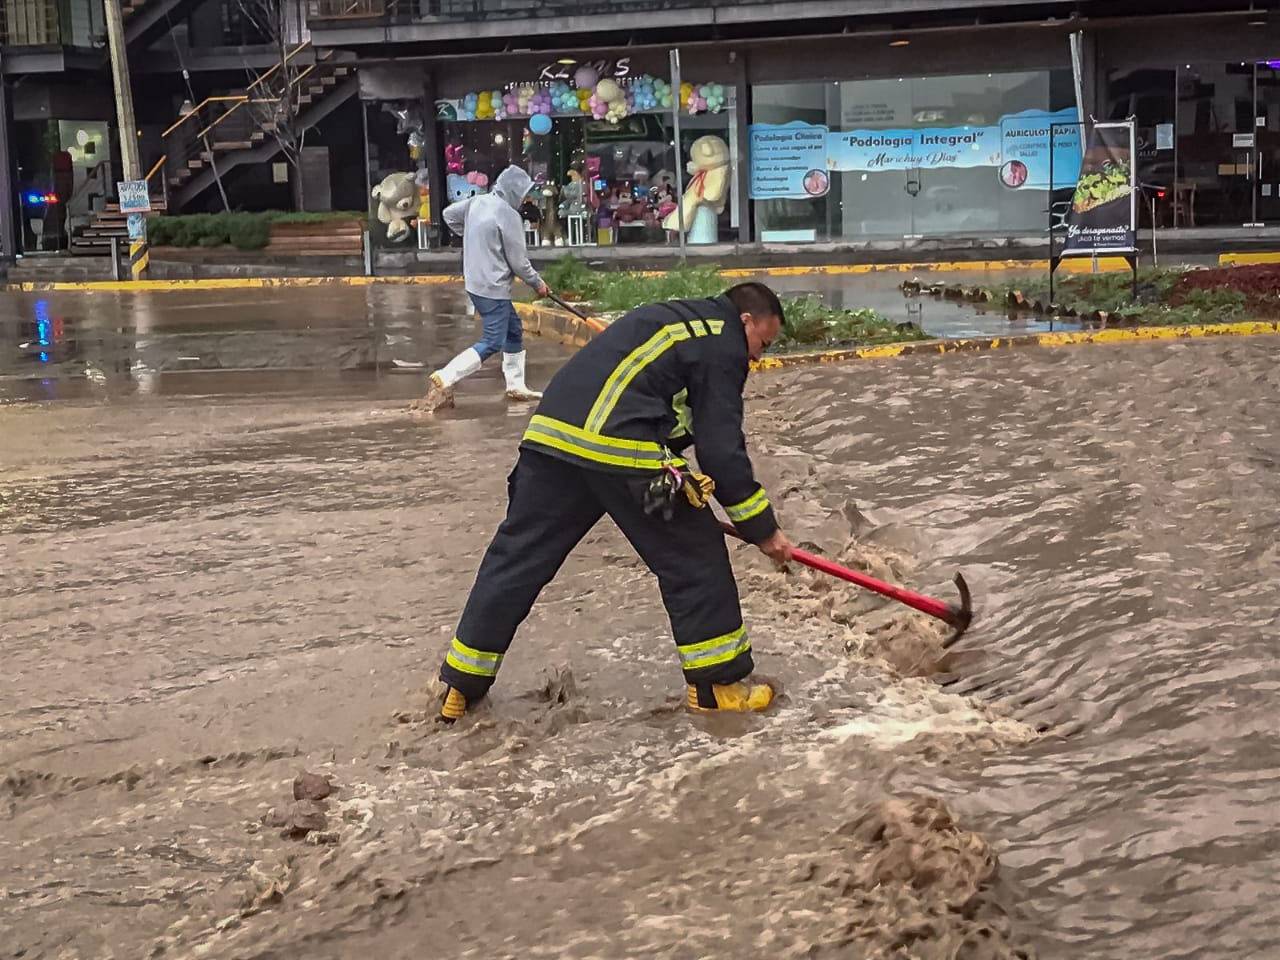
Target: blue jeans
point(503, 331)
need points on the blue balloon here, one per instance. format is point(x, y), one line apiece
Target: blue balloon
point(540, 124)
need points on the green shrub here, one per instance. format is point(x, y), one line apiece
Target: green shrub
point(808, 320)
point(250, 232)
point(244, 231)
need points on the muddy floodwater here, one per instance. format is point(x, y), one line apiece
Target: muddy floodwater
point(219, 576)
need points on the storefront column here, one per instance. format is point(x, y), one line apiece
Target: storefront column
point(738, 78)
point(8, 235)
point(433, 150)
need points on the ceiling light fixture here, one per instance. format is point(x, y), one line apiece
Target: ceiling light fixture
point(900, 43)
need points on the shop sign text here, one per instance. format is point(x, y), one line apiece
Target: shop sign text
point(617, 69)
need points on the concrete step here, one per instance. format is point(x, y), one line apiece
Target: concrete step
point(59, 270)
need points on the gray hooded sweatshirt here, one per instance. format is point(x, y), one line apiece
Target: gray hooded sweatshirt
point(493, 236)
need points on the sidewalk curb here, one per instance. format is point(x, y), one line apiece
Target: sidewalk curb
point(1081, 265)
point(559, 325)
point(1062, 338)
point(563, 327)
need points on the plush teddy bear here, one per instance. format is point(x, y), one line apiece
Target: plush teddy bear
point(397, 197)
point(705, 196)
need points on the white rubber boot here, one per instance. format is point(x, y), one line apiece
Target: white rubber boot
point(441, 393)
point(513, 370)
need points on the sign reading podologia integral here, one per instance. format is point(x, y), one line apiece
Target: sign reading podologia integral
point(1103, 215)
point(796, 160)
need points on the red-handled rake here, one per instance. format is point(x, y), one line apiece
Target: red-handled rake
point(958, 617)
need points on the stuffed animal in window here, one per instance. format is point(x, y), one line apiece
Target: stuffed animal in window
point(706, 192)
point(397, 197)
point(460, 185)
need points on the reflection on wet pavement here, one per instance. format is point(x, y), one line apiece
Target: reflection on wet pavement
point(940, 318)
point(63, 345)
point(239, 576)
point(368, 340)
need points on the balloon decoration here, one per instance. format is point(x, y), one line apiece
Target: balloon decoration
point(601, 98)
point(540, 124)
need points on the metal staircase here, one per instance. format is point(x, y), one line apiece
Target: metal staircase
point(224, 132)
point(227, 131)
point(147, 20)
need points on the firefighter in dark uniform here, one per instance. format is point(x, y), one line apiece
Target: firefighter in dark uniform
point(607, 438)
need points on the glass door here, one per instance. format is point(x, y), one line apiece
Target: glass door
point(1266, 114)
point(879, 177)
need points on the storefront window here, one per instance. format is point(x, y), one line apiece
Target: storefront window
point(910, 157)
point(598, 180)
point(1209, 133)
point(400, 201)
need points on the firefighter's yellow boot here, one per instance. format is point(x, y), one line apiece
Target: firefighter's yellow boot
point(454, 706)
point(745, 696)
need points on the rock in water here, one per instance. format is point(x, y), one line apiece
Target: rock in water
point(305, 816)
point(311, 786)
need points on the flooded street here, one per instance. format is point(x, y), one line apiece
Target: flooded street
point(221, 572)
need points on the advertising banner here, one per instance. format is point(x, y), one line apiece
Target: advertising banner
point(789, 160)
point(1103, 214)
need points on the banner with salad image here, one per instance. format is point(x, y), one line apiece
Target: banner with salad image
point(1103, 214)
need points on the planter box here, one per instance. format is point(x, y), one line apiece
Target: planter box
point(331, 238)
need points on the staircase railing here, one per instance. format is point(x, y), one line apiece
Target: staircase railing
point(191, 141)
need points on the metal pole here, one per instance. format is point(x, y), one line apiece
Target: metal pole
point(1077, 75)
point(675, 121)
point(368, 187)
point(1155, 255)
point(1052, 184)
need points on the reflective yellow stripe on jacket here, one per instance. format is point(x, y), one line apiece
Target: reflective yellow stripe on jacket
point(753, 506)
point(639, 358)
point(478, 663)
point(717, 650)
point(596, 447)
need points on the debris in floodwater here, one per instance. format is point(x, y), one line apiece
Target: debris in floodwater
point(303, 817)
point(311, 786)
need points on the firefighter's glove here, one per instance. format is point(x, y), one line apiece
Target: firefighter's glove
point(698, 488)
point(660, 495)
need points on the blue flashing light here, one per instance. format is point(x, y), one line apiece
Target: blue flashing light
point(44, 326)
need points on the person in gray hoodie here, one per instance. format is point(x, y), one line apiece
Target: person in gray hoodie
point(493, 252)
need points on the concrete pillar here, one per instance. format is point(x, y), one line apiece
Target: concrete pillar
point(8, 203)
point(433, 150)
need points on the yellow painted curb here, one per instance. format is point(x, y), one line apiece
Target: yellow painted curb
point(1078, 265)
point(858, 269)
point(1245, 259)
point(1063, 338)
point(228, 283)
point(1074, 265)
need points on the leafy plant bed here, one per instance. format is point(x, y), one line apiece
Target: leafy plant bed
point(1163, 297)
point(809, 323)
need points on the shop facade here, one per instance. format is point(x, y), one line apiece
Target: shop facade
point(1207, 116)
point(595, 130)
point(973, 133)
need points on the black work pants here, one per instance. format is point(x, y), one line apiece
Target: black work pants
point(552, 505)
